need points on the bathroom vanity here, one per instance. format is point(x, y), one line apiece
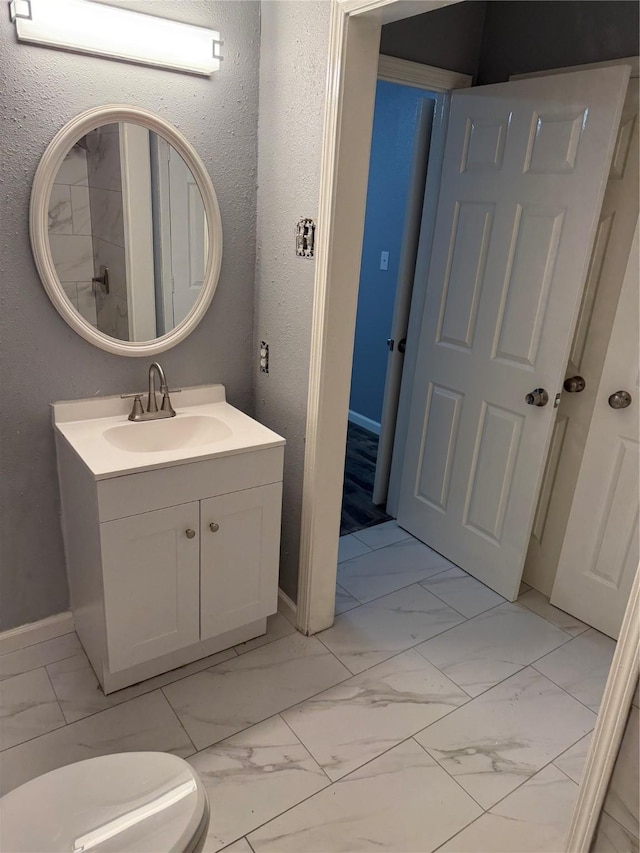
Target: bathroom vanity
point(171, 530)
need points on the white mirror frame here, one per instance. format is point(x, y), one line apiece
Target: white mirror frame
point(47, 169)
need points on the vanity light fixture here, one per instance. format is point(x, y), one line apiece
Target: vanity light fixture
point(96, 28)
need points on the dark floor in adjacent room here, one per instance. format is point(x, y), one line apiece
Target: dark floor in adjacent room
point(358, 510)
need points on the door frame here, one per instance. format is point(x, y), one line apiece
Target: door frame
point(609, 729)
point(352, 73)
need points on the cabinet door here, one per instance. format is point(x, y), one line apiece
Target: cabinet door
point(151, 571)
point(240, 552)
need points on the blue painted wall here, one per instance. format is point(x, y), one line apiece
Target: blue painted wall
point(394, 126)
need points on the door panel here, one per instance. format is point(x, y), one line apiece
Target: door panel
point(599, 556)
point(443, 416)
point(240, 559)
point(606, 271)
point(534, 246)
point(522, 183)
point(151, 570)
point(461, 290)
point(491, 476)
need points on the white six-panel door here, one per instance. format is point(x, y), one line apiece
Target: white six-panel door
point(522, 185)
point(599, 557)
point(609, 259)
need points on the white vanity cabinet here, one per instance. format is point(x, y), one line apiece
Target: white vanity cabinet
point(169, 563)
point(176, 576)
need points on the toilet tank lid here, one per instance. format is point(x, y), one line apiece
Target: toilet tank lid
point(142, 801)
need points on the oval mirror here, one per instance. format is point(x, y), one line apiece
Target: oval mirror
point(126, 231)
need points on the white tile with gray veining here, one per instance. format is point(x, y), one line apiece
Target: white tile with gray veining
point(573, 760)
point(367, 635)
point(533, 819)
point(107, 221)
point(254, 776)
point(344, 601)
point(103, 158)
point(350, 547)
point(350, 724)
point(60, 219)
point(219, 702)
point(80, 695)
point(462, 592)
point(492, 646)
point(72, 256)
point(381, 535)
point(39, 654)
point(146, 723)
point(112, 317)
point(80, 210)
point(581, 666)
point(539, 603)
point(87, 302)
point(500, 739)
point(402, 801)
point(277, 627)
point(383, 571)
point(73, 169)
point(240, 846)
point(28, 708)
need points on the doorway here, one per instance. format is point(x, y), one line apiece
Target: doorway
point(400, 143)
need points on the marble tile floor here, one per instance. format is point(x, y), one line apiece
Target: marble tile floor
point(433, 715)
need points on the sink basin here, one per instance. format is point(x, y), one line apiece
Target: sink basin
point(169, 434)
point(110, 445)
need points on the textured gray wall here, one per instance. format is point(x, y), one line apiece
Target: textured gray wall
point(43, 359)
point(447, 38)
point(292, 89)
point(534, 35)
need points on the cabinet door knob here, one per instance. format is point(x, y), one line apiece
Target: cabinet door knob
point(213, 527)
point(189, 533)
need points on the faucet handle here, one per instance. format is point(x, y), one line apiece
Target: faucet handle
point(137, 411)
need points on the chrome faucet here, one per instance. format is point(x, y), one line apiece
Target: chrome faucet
point(166, 410)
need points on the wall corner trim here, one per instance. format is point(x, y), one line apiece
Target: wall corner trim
point(36, 632)
point(287, 607)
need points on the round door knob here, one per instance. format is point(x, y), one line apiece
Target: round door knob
point(189, 533)
point(620, 400)
point(213, 527)
point(538, 397)
point(574, 384)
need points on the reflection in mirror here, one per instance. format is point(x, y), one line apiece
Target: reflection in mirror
point(127, 232)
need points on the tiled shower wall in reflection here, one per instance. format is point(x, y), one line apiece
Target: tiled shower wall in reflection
point(107, 221)
point(70, 232)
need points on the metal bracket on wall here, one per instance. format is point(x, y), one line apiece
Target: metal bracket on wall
point(305, 238)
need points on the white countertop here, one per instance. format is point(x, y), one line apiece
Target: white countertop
point(83, 424)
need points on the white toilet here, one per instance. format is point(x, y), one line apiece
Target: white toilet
point(135, 802)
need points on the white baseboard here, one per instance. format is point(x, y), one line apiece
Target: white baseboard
point(36, 632)
point(365, 423)
point(287, 607)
